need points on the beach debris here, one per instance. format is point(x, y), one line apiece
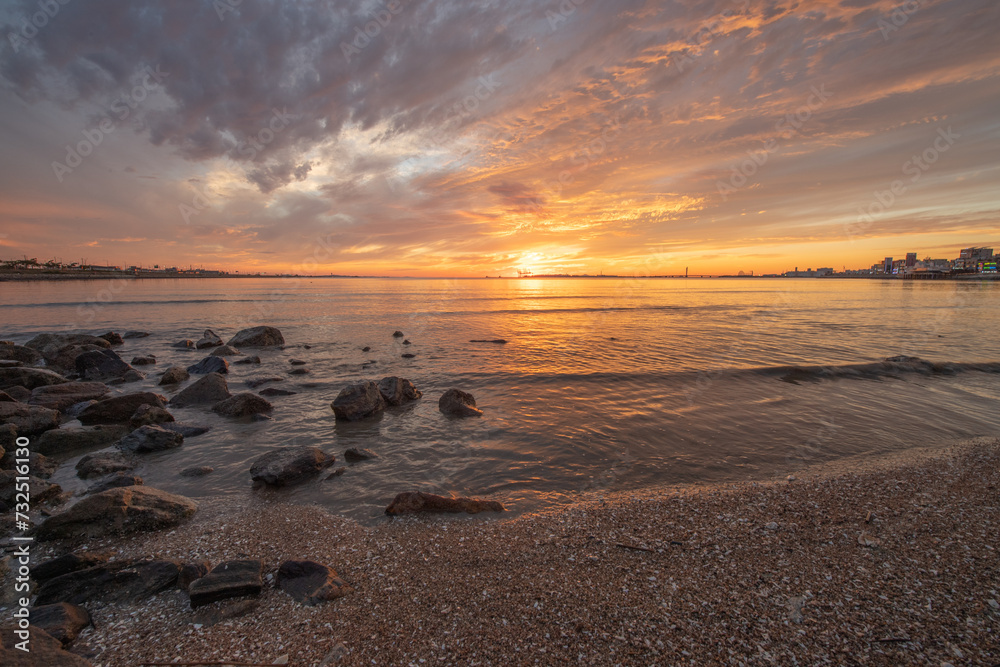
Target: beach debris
point(397, 390)
point(210, 389)
point(119, 409)
point(209, 365)
point(244, 404)
point(225, 351)
point(145, 360)
point(865, 540)
point(356, 454)
point(413, 502)
point(208, 339)
point(310, 582)
point(123, 510)
point(457, 403)
point(633, 547)
point(148, 439)
point(62, 620)
point(257, 337)
point(358, 401)
point(289, 465)
point(231, 579)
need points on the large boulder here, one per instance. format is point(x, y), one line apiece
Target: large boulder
point(210, 389)
point(173, 375)
point(71, 562)
point(310, 582)
point(257, 337)
point(62, 620)
point(396, 390)
point(149, 438)
point(28, 419)
point(235, 578)
point(45, 651)
point(208, 339)
point(26, 355)
point(123, 510)
point(358, 401)
point(101, 365)
point(245, 404)
point(119, 409)
point(288, 465)
point(120, 581)
point(61, 441)
point(209, 365)
point(103, 463)
point(29, 378)
point(413, 502)
point(61, 396)
point(456, 403)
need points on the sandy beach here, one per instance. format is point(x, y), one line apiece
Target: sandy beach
point(873, 561)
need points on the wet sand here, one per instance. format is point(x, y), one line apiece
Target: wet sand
point(871, 561)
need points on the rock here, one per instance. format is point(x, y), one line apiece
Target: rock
point(117, 480)
point(407, 342)
point(118, 511)
point(6, 398)
point(39, 465)
point(113, 338)
point(274, 391)
point(75, 410)
point(119, 409)
point(46, 651)
point(253, 383)
point(67, 563)
point(9, 363)
point(191, 572)
point(186, 344)
point(61, 441)
point(248, 360)
point(29, 419)
point(50, 345)
point(366, 349)
point(8, 436)
point(412, 502)
point(187, 430)
point(299, 371)
point(25, 355)
point(232, 579)
point(225, 351)
point(288, 465)
point(358, 401)
point(39, 490)
point(18, 393)
point(208, 339)
point(63, 396)
point(210, 389)
point(457, 403)
point(354, 454)
point(135, 334)
point(124, 581)
point(408, 356)
point(147, 360)
point(100, 464)
point(396, 390)
point(209, 365)
point(257, 337)
point(496, 341)
point(244, 404)
point(62, 620)
point(296, 362)
point(262, 418)
point(337, 473)
point(100, 365)
point(149, 414)
point(310, 582)
point(198, 471)
point(223, 611)
point(771, 526)
point(28, 378)
point(148, 439)
point(397, 334)
point(173, 375)
point(131, 375)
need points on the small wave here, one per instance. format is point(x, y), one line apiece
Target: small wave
point(888, 367)
point(116, 302)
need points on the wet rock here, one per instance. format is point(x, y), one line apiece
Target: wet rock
point(67, 563)
point(46, 651)
point(248, 360)
point(119, 409)
point(149, 414)
point(51, 345)
point(397, 334)
point(407, 342)
point(257, 337)
point(80, 585)
point(244, 404)
point(125, 581)
point(191, 572)
point(366, 349)
point(39, 489)
point(408, 356)
point(62, 620)
point(296, 362)
point(225, 351)
point(29, 419)
point(274, 391)
point(146, 360)
point(456, 403)
point(148, 439)
point(113, 337)
point(210, 389)
point(253, 383)
point(355, 454)
point(186, 344)
point(299, 371)
point(208, 339)
point(75, 410)
point(28, 378)
point(6, 398)
point(358, 401)
point(209, 365)
point(413, 502)
point(135, 334)
point(396, 390)
point(18, 393)
point(496, 341)
point(223, 611)
point(310, 582)
point(100, 464)
point(118, 511)
point(62, 396)
point(25, 355)
point(232, 579)
point(173, 375)
point(39, 465)
point(198, 471)
point(131, 375)
point(187, 430)
point(117, 480)
point(100, 365)
point(289, 465)
point(58, 442)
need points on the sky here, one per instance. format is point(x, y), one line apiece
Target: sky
point(471, 138)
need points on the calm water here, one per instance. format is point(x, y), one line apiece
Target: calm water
point(603, 385)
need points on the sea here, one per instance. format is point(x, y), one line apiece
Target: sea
point(603, 385)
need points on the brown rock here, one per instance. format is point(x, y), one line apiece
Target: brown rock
point(62, 396)
point(412, 502)
point(232, 579)
point(210, 389)
point(118, 511)
point(119, 409)
point(29, 419)
point(456, 403)
point(29, 378)
point(62, 620)
point(289, 465)
point(310, 582)
point(174, 374)
point(358, 401)
point(46, 651)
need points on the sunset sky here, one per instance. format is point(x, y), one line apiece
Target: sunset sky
point(473, 138)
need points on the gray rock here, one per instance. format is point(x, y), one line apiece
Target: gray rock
point(62, 396)
point(135, 334)
point(131, 375)
point(148, 439)
point(253, 383)
point(209, 365)
point(100, 464)
point(116, 480)
point(187, 430)
point(257, 337)
point(455, 403)
point(208, 339)
point(274, 391)
point(149, 414)
point(358, 401)
point(173, 375)
point(355, 454)
point(67, 563)
point(310, 582)
point(124, 510)
point(413, 502)
point(198, 471)
point(396, 390)
point(186, 344)
point(100, 365)
point(225, 351)
point(29, 419)
point(59, 442)
point(146, 360)
point(299, 371)
point(210, 389)
point(232, 579)
point(289, 465)
point(52, 347)
point(46, 651)
point(28, 378)
point(244, 404)
point(119, 409)
point(113, 338)
point(248, 360)
point(25, 355)
point(62, 620)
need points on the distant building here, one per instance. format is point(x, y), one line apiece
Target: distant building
point(911, 259)
point(887, 265)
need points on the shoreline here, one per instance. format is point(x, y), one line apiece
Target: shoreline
point(874, 559)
